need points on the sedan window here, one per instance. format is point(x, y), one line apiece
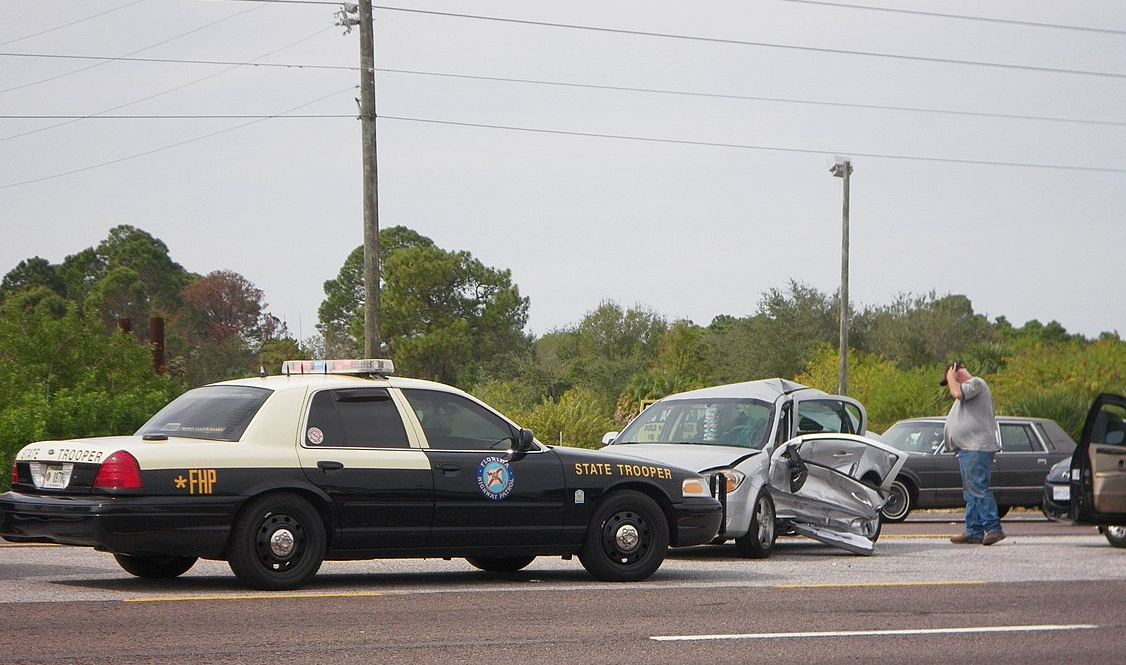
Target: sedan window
point(915, 437)
point(357, 418)
point(215, 413)
point(1017, 438)
point(453, 422)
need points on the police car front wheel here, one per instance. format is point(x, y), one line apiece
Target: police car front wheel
point(155, 567)
point(627, 538)
point(277, 543)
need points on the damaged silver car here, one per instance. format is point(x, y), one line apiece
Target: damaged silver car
point(782, 458)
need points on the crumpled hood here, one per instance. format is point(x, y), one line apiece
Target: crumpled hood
point(689, 456)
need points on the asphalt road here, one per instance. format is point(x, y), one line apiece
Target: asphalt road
point(1048, 593)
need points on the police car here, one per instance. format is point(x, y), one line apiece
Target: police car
point(340, 460)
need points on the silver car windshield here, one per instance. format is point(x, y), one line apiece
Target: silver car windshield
point(719, 422)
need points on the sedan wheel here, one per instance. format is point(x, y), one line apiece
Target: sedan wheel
point(500, 564)
point(758, 542)
point(1115, 535)
point(155, 567)
point(277, 543)
point(627, 538)
point(898, 505)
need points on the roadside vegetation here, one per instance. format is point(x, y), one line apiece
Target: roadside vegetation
point(76, 357)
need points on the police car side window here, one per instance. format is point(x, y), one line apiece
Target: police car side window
point(452, 422)
point(355, 418)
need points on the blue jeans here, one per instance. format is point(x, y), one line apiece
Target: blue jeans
point(981, 506)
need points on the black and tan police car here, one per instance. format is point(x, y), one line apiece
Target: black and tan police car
point(339, 460)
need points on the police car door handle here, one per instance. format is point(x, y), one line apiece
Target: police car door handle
point(329, 466)
point(448, 469)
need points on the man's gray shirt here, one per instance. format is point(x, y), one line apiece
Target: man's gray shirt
point(972, 424)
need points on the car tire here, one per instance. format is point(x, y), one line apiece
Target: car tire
point(627, 538)
point(277, 543)
point(1002, 510)
point(156, 566)
point(758, 542)
point(1115, 535)
point(898, 505)
point(500, 564)
point(875, 530)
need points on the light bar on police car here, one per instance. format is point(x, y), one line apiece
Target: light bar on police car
point(362, 366)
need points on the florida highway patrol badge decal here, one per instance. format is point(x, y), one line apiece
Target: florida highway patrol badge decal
point(495, 478)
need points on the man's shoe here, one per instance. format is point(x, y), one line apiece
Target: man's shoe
point(993, 537)
point(967, 539)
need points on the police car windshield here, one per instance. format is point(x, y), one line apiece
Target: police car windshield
point(718, 422)
point(215, 413)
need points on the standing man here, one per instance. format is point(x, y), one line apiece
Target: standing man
point(971, 431)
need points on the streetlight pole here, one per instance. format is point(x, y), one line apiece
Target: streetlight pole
point(842, 168)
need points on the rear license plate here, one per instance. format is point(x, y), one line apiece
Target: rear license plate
point(1061, 492)
point(56, 477)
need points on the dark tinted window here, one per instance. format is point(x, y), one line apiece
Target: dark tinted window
point(1018, 439)
point(355, 418)
point(452, 422)
point(217, 413)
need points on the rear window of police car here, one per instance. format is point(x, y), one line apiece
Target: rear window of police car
point(215, 413)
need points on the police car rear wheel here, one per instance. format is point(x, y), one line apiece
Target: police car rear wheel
point(155, 567)
point(627, 538)
point(277, 543)
point(500, 564)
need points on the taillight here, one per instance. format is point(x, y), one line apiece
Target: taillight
point(15, 474)
point(120, 471)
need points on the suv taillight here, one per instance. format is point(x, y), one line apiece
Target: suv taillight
point(120, 471)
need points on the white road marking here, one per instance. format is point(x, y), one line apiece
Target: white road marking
point(871, 633)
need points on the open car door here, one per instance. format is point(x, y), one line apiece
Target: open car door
point(830, 487)
point(1098, 467)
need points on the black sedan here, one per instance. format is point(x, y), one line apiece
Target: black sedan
point(339, 460)
point(930, 478)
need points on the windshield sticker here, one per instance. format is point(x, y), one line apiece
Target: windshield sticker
point(495, 478)
point(315, 435)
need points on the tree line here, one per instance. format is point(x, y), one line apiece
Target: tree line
point(69, 368)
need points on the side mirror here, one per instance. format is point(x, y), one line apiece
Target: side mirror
point(609, 437)
point(522, 443)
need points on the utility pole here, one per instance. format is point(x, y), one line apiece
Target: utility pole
point(372, 343)
point(843, 169)
point(363, 18)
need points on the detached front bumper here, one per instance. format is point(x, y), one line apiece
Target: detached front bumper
point(136, 525)
point(698, 520)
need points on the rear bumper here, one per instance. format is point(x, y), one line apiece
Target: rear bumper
point(135, 525)
point(697, 521)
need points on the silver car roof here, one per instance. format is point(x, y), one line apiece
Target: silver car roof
point(768, 390)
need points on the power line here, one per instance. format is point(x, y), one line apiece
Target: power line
point(714, 40)
point(163, 92)
point(74, 22)
point(758, 98)
point(622, 137)
point(742, 146)
point(216, 116)
point(172, 145)
point(740, 42)
point(140, 50)
point(594, 86)
point(983, 19)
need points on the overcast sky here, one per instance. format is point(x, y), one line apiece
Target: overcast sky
point(665, 154)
